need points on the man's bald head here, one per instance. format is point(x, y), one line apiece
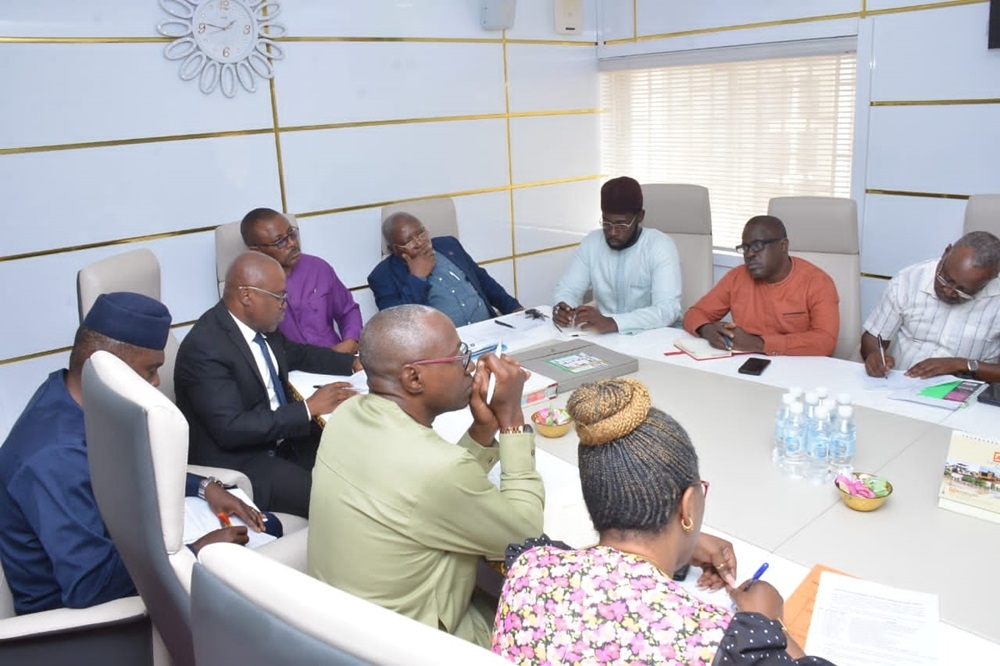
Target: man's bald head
point(395, 220)
point(395, 337)
point(250, 268)
point(255, 291)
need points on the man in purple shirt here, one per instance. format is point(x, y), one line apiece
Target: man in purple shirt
point(317, 299)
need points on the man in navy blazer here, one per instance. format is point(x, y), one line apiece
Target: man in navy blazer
point(436, 272)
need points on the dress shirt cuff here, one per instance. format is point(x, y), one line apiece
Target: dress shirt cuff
point(308, 413)
point(775, 345)
point(517, 453)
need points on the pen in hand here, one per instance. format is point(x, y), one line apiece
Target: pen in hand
point(224, 519)
point(881, 354)
point(756, 576)
point(729, 342)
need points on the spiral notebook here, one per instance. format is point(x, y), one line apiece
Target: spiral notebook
point(971, 480)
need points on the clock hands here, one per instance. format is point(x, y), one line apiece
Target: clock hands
point(221, 28)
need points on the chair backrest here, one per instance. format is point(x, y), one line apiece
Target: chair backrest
point(137, 451)
point(683, 212)
point(229, 245)
point(438, 216)
point(982, 213)
point(136, 271)
point(824, 231)
point(274, 614)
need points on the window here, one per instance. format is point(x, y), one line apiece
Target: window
point(747, 129)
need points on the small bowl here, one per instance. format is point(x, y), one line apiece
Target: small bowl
point(863, 503)
point(551, 421)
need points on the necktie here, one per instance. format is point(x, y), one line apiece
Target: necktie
point(275, 380)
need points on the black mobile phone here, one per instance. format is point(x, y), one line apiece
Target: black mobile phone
point(991, 395)
point(754, 366)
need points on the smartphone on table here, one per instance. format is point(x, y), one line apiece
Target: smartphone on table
point(754, 366)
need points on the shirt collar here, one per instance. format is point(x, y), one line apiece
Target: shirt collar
point(248, 333)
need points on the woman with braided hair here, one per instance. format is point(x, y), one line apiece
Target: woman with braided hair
point(616, 602)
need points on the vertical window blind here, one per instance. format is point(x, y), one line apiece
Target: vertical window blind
point(747, 130)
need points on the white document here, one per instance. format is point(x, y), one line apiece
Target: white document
point(199, 521)
point(896, 380)
point(859, 623)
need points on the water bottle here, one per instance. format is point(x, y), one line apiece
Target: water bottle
point(778, 451)
point(794, 437)
point(822, 392)
point(818, 446)
point(831, 406)
point(844, 441)
point(811, 400)
point(796, 392)
point(844, 399)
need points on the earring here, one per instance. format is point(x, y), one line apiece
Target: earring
point(687, 524)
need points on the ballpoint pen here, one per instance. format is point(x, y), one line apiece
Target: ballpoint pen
point(729, 342)
point(881, 352)
point(756, 576)
point(224, 519)
point(502, 323)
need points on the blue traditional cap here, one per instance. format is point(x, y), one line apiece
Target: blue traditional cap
point(131, 318)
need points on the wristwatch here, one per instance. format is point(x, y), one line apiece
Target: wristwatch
point(517, 430)
point(203, 485)
point(973, 366)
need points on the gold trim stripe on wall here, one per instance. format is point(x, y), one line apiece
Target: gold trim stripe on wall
point(907, 193)
point(294, 128)
point(315, 213)
point(8, 39)
point(863, 13)
point(935, 102)
point(510, 159)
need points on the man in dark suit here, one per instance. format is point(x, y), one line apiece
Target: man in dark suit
point(436, 272)
point(231, 379)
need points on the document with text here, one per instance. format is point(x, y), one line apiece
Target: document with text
point(859, 623)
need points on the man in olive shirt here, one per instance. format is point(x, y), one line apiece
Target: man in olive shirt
point(400, 516)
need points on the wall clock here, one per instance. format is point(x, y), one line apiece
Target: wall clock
point(224, 44)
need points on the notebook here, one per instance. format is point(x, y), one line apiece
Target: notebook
point(949, 395)
point(700, 349)
point(576, 362)
point(971, 480)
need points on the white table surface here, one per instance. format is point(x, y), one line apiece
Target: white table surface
point(908, 543)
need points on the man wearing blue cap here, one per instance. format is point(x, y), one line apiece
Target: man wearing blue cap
point(55, 548)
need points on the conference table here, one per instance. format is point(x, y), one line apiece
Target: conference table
point(791, 523)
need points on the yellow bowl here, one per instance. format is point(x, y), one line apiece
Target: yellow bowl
point(863, 503)
point(562, 422)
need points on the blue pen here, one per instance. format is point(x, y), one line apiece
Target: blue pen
point(756, 576)
point(729, 342)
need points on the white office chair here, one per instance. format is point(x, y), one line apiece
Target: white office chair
point(982, 213)
point(137, 271)
point(137, 452)
point(253, 611)
point(824, 231)
point(229, 245)
point(683, 212)
point(437, 215)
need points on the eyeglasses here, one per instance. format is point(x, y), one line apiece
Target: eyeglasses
point(757, 245)
point(464, 355)
point(618, 226)
point(282, 242)
point(282, 298)
point(414, 242)
point(948, 284)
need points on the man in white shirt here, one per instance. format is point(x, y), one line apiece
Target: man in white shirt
point(940, 318)
point(634, 272)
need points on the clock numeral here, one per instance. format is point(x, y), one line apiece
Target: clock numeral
point(246, 29)
point(201, 28)
point(225, 52)
point(223, 4)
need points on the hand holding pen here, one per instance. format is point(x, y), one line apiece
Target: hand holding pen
point(758, 596)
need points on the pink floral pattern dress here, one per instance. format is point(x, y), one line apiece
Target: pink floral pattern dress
point(603, 606)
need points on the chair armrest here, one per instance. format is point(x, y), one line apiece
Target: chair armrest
point(62, 620)
point(230, 477)
point(290, 550)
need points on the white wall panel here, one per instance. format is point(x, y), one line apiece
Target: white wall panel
point(484, 225)
point(110, 89)
point(19, 381)
point(875, 5)
point(384, 18)
point(503, 272)
point(900, 231)
point(535, 19)
point(537, 276)
point(187, 283)
point(544, 78)
point(351, 242)
point(950, 149)
point(73, 197)
point(871, 292)
point(72, 18)
point(552, 147)
point(554, 215)
point(614, 20)
point(366, 300)
point(666, 16)
point(936, 54)
point(346, 82)
point(364, 165)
